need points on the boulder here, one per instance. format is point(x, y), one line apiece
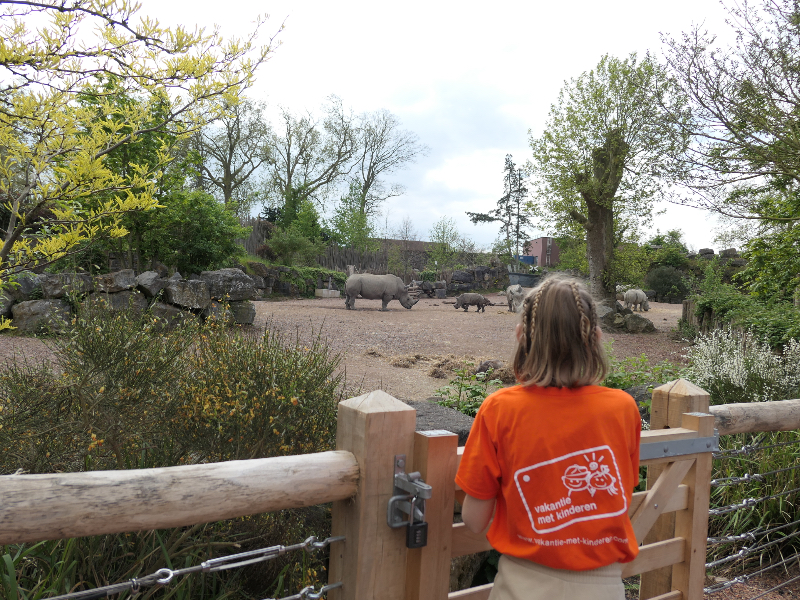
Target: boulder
point(738, 262)
point(160, 268)
point(258, 282)
point(729, 253)
point(462, 277)
point(35, 315)
point(244, 312)
point(124, 300)
point(57, 285)
point(229, 284)
point(618, 320)
point(176, 276)
point(260, 269)
point(636, 323)
point(6, 301)
point(150, 283)
point(705, 252)
point(26, 284)
point(115, 282)
point(431, 417)
point(171, 316)
point(651, 294)
point(602, 311)
point(219, 311)
point(187, 294)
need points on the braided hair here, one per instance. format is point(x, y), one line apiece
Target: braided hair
point(559, 343)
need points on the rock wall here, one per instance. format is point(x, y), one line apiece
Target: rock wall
point(47, 300)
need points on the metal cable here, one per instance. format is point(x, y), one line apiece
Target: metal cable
point(746, 551)
point(748, 502)
point(750, 448)
point(308, 593)
point(165, 576)
point(747, 477)
point(749, 535)
point(744, 578)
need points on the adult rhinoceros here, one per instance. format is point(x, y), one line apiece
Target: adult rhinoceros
point(374, 287)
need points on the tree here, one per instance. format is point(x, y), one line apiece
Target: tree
point(382, 148)
point(56, 150)
point(745, 156)
point(351, 227)
point(403, 251)
point(231, 151)
point(445, 235)
point(607, 153)
point(511, 211)
point(306, 160)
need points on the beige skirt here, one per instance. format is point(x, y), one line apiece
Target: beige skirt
point(519, 579)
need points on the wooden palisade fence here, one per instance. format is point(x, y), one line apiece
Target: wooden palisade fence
point(373, 561)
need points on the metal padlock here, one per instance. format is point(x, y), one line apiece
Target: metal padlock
point(417, 535)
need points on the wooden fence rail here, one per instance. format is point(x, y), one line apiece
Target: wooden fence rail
point(373, 561)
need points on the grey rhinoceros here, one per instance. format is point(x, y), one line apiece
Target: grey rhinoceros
point(636, 298)
point(374, 287)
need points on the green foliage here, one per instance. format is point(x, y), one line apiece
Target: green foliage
point(127, 394)
point(352, 228)
point(668, 283)
point(292, 247)
point(774, 321)
point(193, 233)
point(429, 275)
point(445, 235)
point(467, 391)
point(672, 238)
point(629, 265)
point(773, 267)
point(637, 370)
point(572, 255)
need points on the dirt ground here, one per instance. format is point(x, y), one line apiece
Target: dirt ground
point(431, 331)
point(395, 350)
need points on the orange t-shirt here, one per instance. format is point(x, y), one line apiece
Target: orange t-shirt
point(562, 464)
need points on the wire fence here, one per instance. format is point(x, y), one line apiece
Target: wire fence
point(164, 576)
point(763, 543)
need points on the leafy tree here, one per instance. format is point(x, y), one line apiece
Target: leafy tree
point(444, 234)
point(511, 211)
point(194, 232)
point(308, 156)
point(607, 153)
point(55, 149)
point(745, 159)
point(382, 148)
point(403, 252)
point(231, 151)
point(672, 251)
point(353, 228)
point(671, 238)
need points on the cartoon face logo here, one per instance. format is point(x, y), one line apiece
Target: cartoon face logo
point(554, 492)
point(595, 476)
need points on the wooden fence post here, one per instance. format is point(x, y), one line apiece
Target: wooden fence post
point(428, 571)
point(670, 401)
point(692, 523)
point(371, 562)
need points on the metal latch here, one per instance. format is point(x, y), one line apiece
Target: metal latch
point(407, 505)
point(679, 447)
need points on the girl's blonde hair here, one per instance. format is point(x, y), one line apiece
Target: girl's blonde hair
point(559, 344)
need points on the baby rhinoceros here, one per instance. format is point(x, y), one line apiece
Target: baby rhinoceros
point(466, 300)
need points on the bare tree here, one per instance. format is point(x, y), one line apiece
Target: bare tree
point(307, 157)
point(232, 149)
point(383, 148)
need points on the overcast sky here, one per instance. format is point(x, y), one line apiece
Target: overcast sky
point(469, 80)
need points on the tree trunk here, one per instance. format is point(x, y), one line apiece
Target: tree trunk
point(599, 248)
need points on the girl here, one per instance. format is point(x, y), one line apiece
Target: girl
point(555, 458)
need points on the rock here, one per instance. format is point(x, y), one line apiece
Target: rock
point(260, 269)
point(462, 277)
point(34, 315)
point(441, 293)
point(258, 282)
point(150, 283)
point(26, 284)
point(431, 416)
point(651, 294)
point(187, 294)
point(229, 284)
point(440, 285)
point(635, 323)
point(602, 311)
point(643, 396)
point(6, 302)
point(464, 568)
point(176, 276)
point(115, 282)
point(160, 268)
point(219, 311)
point(57, 285)
point(705, 252)
point(618, 320)
point(244, 312)
point(729, 253)
point(171, 316)
point(125, 300)
point(624, 311)
point(738, 262)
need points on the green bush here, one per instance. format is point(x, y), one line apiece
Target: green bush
point(127, 394)
point(429, 275)
point(739, 367)
point(467, 391)
point(668, 283)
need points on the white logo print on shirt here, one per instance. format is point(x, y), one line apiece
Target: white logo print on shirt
point(579, 486)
